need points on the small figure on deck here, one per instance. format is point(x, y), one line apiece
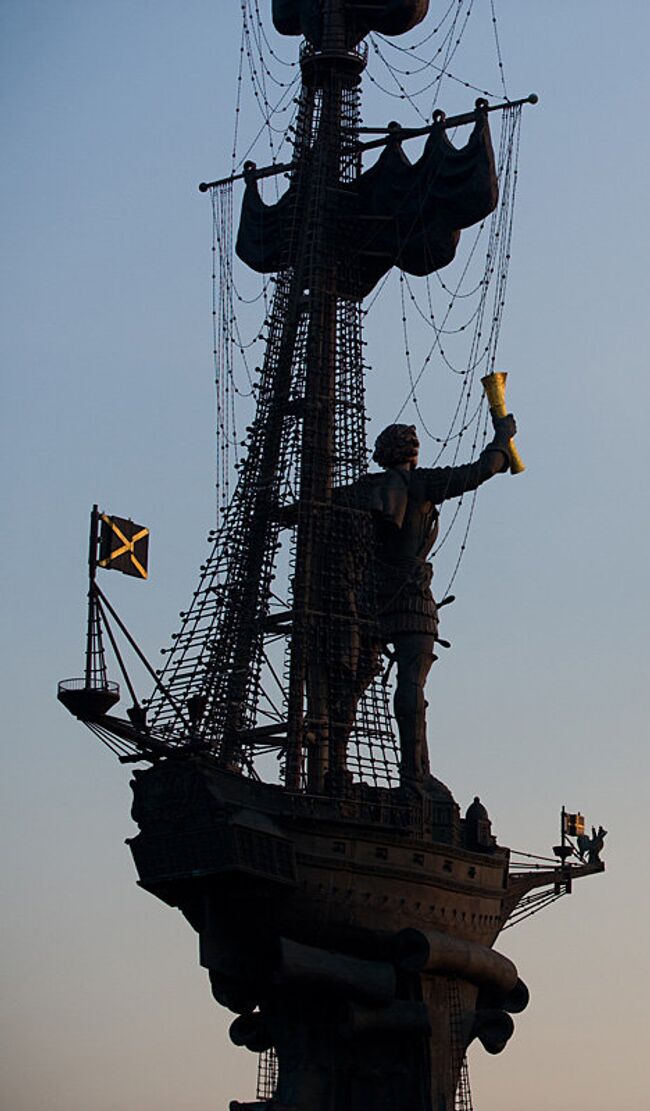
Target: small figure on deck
point(404, 502)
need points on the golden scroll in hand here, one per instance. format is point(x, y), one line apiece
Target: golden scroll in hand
point(495, 391)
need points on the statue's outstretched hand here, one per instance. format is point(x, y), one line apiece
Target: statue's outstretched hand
point(505, 427)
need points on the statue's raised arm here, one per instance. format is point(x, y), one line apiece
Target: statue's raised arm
point(404, 500)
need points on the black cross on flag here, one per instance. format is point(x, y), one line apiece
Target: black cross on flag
point(123, 546)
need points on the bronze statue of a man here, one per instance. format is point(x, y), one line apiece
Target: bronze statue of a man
point(404, 500)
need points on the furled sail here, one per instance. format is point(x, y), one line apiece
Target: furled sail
point(397, 213)
point(389, 17)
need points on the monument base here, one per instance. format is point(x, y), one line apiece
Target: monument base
point(351, 936)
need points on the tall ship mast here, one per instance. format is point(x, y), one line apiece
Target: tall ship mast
point(346, 911)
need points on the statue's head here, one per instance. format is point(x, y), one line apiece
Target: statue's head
point(396, 445)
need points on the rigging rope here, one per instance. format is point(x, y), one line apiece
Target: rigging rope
point(458, 1059)
point(481, 324)
point(448, 49)
point(203, 635)
point(440, 59)
point(222, 332)
point(497, 45)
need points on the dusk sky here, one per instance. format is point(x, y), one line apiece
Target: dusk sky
point(112, 113)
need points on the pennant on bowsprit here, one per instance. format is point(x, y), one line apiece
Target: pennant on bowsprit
point(574, 824)
point(123, 546)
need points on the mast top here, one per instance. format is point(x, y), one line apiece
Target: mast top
point(356, 18)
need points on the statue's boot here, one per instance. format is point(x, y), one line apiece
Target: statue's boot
point(338, 780)
point(414, 653)
point(414, 762)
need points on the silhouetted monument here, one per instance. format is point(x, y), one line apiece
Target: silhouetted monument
point(346, 914)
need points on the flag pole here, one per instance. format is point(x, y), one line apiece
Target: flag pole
point(92, 571)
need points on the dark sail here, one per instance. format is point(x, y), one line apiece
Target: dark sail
point(389, 17)
point(397, 213)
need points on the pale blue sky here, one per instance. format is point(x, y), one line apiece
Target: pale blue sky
point(112, 113)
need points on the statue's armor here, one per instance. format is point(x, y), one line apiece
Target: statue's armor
point(404, 504)
point(403, 574)
point(395, 569)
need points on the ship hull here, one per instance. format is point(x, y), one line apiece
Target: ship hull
point(341, 932)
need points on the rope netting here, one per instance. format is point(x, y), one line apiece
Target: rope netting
point(457, 1055)
point(232, 656)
